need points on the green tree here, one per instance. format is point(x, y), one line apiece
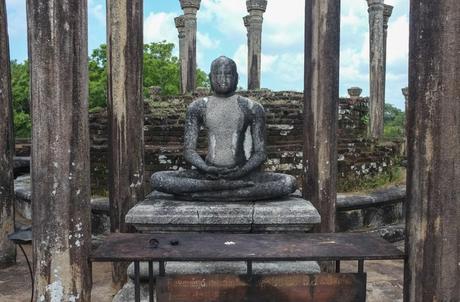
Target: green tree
point(20, 92)
point(394, 120)
point(161, 68)
point(97, 73)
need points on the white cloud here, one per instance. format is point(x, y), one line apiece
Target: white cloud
point(225, 16)
point(268, 62)
point(96, 8)
point(398, 40)
point(289, 70)
point(160, 26)
point(16, 17)
point(393, 2)
point(354, 15)
point(16, 3)
point(204, 41)
point(241, 59)
point(284, 23)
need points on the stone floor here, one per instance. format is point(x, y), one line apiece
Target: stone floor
point(384, 280)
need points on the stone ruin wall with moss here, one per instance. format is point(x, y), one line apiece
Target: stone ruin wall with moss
point(360, 161)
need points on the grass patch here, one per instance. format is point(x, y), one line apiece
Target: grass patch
point(393, 176)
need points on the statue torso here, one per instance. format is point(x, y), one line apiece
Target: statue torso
point(226, 125)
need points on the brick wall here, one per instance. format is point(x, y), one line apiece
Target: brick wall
point(164, 120)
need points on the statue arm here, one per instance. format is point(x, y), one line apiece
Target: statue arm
point(258, 131)
point(193, 122)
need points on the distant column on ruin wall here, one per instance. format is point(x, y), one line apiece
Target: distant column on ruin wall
point(180, 25)
point(253, 23)
point(188, 55)
point(376, 68)
point(387, 11)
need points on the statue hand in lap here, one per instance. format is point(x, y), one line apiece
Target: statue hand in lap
point(213, 172)
point(225, 173)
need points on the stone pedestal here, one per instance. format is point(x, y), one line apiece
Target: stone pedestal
point(163, 213)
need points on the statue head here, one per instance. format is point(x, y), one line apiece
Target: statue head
point(223, 76)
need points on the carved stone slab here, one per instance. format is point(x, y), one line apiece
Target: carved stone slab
point(162, 213)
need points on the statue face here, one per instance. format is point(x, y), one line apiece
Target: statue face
point(224, 77)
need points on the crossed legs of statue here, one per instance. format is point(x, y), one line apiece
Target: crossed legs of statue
point(193, 185)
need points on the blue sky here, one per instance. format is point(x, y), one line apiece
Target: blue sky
point(221, 32)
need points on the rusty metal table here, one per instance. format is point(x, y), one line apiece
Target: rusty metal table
point(241, 247)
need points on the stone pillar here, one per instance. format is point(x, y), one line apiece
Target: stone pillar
point(376, 70)
point(432, 272)
point(387, 11)
point(354, 93)
point(7, 248)
point(126, 114)
point(180, 25)
point(188, 62)
point(405, 92)
point(253, 23)
point(322, 41)
point(61, 207)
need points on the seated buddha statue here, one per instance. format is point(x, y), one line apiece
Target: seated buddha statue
point(230, 172)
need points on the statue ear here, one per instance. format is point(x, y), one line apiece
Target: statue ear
point(210, 81)
point(237, 78)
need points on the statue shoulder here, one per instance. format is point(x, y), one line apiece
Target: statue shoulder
point(198, 107)
point(251, 106)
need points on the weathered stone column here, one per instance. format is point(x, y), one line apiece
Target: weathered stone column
point(180, 25)
point(322, 42)
point(387, 11)
point(405, 92)
point(60, 149)
point(7, 248)
point(433, 205)
point(188, 62)
point(253, 23)
point(126, 114)
point(376, 70)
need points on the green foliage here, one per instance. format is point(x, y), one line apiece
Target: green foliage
point(392, 176)
point(22, 124)
point(97, 73)
point(202, 79)
point(365, 119)
point(161, 68)
point(394, 119)
point(20, 85)
point(20, 92)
